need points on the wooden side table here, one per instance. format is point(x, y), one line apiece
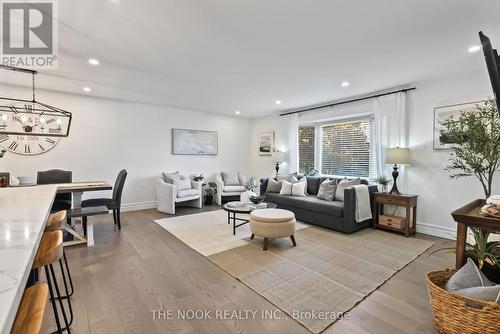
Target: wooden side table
point(405, 225)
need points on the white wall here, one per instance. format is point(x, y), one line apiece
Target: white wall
point(108, 135)
point(438, 195)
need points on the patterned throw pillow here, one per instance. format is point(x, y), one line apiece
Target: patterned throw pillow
point(345, 183)
point(327, 190)
point(182, 183)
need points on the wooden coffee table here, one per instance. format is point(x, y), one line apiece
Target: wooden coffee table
point(232, 210)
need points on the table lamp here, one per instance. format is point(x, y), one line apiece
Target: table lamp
point(397, 156)
point(279, 157)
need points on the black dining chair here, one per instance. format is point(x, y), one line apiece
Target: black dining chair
point(51, 176)
point(111, 203)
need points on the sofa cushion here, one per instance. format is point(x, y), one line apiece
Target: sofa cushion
point(233, 189)
point(230, 179)
point(310, 203)
point(187, 192)
point(312, 185)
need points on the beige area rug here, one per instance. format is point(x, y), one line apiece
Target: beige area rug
point(327, 272)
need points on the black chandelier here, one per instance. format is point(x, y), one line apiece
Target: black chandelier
point(32, 115)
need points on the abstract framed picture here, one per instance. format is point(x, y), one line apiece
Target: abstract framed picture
point(194, 142)
point(266, 143)
point(441, 139)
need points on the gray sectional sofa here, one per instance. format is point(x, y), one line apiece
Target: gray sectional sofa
point(334, 215)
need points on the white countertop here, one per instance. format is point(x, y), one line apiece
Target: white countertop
point(23, 215)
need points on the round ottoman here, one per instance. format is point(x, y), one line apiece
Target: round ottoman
point(272, 224)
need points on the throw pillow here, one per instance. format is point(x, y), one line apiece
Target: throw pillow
point(486, 293)
point(273, 186)
point(288, 177)
point(169, 177)
point(182, 183)
point(242, 179)
point(230, 179)
point(327, 190)
point(345, 183)
point(293, 189)
point(467, 277)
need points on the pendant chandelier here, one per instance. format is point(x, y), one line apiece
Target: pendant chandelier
point(25, 117)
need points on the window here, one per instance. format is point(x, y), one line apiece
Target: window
point(306, 148)
point(344, 148)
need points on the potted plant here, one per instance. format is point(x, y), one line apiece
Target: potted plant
point(210, 192)
point(250, 187)
point(384, 182)
point(310, 172)
point(475, 151)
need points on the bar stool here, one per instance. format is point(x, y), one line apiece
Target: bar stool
point(29, 317)
point(56, 222)
point(49, 252)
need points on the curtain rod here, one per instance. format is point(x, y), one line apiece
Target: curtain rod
point(348, 101)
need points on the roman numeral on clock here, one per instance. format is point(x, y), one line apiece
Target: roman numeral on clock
point(50, 141)
point(27, 149)
point(13, 145)
point(41, 147)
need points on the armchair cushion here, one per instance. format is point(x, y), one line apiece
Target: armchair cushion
point(233, 189)
point(182, 183)
point(230, 179)
point(169, 177)
point(187, 192)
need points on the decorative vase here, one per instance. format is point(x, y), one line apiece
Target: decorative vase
point(245, 196)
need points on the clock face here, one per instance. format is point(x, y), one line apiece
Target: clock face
point(27, 144)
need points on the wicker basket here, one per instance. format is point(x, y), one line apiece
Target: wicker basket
point(455, 314)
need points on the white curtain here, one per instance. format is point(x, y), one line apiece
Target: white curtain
point(293, 142)
point(391, 130)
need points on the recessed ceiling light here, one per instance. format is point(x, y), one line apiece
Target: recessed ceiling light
point(345, 84)
point(277, 101)
point(237, 112)
point(93, 61)
point(474, 48)
point(87, 89)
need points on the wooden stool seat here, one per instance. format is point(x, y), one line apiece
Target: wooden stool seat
point(31, 311)
point(50, 249)
point(56, 221)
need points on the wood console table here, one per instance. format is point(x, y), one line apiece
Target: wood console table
point(406, 225)
point(468, 216)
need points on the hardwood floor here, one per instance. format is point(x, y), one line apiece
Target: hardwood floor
point(130, 273)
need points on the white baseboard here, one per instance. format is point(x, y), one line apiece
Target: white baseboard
point(438, 231)
point(138, 206)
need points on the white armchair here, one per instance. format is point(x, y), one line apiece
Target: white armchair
point(229, 185)
point(167, 196)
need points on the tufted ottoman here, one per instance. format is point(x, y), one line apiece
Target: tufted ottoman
point(272, 224)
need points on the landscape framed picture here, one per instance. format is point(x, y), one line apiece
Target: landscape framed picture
point(441, 139)
point(194, 142)
point(266, 143)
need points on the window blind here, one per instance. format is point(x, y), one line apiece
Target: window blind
point(306, 148)
point(345, 148)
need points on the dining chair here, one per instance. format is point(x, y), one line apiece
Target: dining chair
point(113, 203)
point(51, 176)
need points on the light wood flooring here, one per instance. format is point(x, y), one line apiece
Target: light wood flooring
point(130, 273)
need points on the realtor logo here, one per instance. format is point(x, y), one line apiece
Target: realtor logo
point(29, 33)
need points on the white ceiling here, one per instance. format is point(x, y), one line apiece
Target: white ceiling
point(226, 55)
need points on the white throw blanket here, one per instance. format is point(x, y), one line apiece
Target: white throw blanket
point(363, 209)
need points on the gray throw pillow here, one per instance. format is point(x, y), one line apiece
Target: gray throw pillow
point(467, 277)
point(486, 293)
point(327, 190)
point(169, 177)
point(230, 179)
point(345, 183)
point(273, 186)
point(182, 183)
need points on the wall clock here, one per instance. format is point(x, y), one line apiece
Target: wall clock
point(29, 127)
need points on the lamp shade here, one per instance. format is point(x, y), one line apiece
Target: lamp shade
point(279, 156)
point(398, 156)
